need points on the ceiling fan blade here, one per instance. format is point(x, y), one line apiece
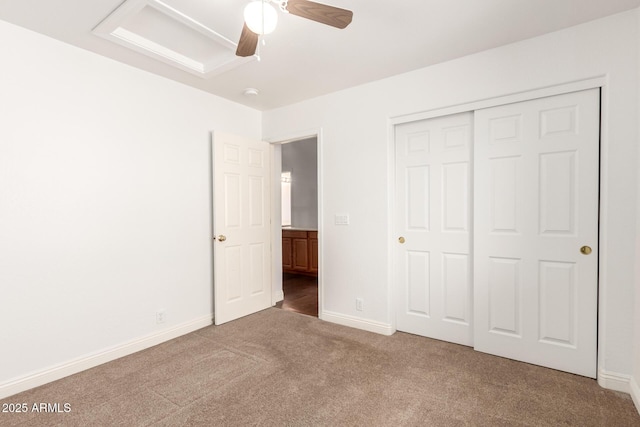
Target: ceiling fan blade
point(322, 13)
point(248, 42)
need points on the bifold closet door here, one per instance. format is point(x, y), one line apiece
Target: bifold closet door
point(536, 231)
point(433, 221)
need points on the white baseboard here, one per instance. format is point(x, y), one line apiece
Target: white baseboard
point(614, 381)
point(83, 363)
point(277, 296)
point(635, 393)
point(358, 323)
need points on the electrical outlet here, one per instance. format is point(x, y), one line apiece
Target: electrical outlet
point(359, 303)
point(160, 316)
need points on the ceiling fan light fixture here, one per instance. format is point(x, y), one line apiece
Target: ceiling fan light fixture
point(261, 17)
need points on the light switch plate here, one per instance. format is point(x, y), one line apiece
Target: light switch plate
point(342, 219)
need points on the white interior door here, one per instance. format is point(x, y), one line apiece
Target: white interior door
point(536, 205)
point(241, 226)
point(433, 225)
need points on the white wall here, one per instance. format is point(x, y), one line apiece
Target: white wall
point(104, 204)
point(301, 159)
point(355, 142)
point(635, 381)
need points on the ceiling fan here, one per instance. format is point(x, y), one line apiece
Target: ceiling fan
point(261, 18)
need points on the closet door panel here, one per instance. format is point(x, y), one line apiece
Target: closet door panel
point(536, 177)
point(433, 214)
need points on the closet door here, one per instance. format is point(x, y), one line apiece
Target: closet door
point(433, 219)
point(536, 231)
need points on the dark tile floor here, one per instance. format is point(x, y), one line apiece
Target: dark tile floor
point(300, 294)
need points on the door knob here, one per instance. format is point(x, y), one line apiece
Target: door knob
point(585, 250)
point(401, 239)
point(222, 238)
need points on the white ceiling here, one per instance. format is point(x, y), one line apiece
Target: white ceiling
point(303, 59)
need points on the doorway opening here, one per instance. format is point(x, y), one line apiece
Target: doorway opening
point(298, 221)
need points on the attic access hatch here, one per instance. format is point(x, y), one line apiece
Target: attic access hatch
point(158, 30)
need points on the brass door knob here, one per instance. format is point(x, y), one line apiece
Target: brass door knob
point(222, 238)
point(585, 250)
point(401, 239)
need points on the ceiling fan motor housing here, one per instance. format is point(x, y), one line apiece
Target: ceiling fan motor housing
point(261, 18)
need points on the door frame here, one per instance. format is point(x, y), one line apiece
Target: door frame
point(606, 380)
point(276, 142)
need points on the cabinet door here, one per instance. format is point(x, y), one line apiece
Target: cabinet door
point(300, 249)
point(287, 259)
point(313, 252)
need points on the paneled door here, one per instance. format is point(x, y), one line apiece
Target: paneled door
point(433, 228)
point(536, 231)
point(241, 225)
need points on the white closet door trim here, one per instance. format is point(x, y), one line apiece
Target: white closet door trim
point(575, 86)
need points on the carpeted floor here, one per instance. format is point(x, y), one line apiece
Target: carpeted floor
point(277, 368)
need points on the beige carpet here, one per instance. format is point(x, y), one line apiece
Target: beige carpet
point(278, 368)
